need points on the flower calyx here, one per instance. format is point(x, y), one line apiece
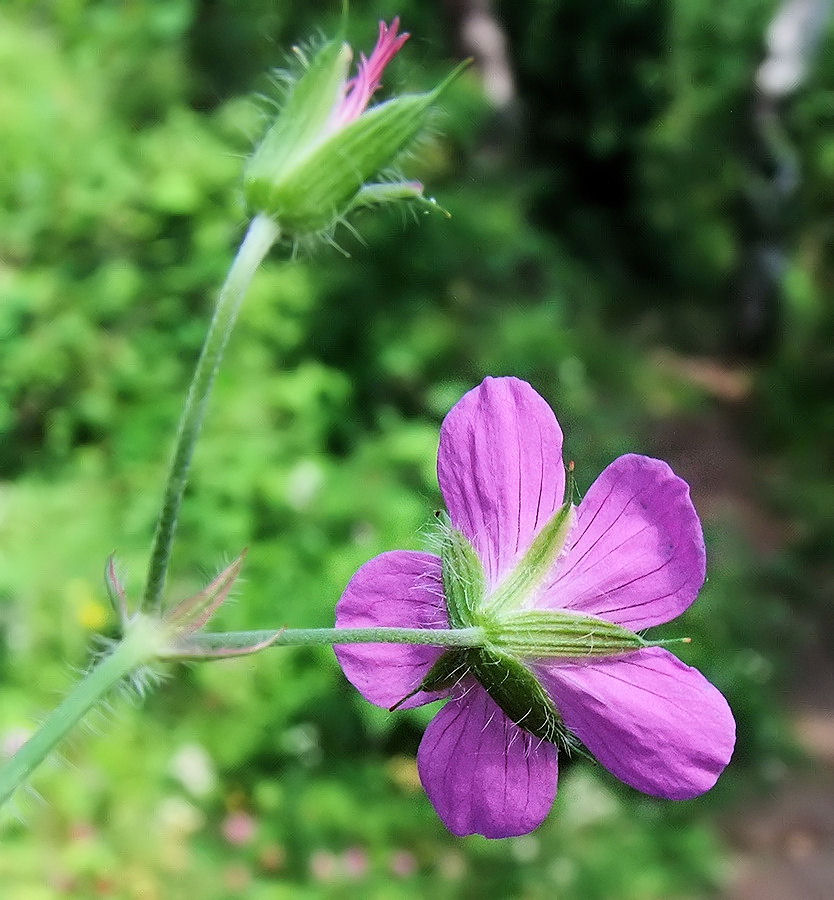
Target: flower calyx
point(518, 632)
point(178, 625)
point(510, 613)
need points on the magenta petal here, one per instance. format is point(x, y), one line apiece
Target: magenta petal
point(654, 722)
point(401, 589)
point(483, 773)
point(636, 553)
point(500, 469)
point(362, 87)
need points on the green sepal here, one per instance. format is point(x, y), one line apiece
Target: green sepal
point(513, 687)
point(190, 615)
point(116, 592)
point(559, 634)
point(533, 568)
point(317, 189)
point(445, 673)
point(520, 695)
point(380, 193)
point(464, 581)
point(303, 117)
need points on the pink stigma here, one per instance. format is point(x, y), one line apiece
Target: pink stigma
point(360, 88)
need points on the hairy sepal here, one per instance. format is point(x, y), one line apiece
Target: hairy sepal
point(385, 192)
point(513, 687)
point(445, 674)
point(321, 184)
point(518, 693)
point(464, 581)
point(304, 116)
point(560, 634)
point(190, 615)
point(116, 592)
point(532, 569)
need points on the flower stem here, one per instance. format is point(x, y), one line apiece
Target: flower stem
point(262, 234)
point(141, 644)
point(438, 637)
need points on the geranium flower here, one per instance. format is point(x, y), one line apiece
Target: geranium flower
point(560, 593)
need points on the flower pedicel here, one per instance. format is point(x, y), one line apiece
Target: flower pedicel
point(561, 592)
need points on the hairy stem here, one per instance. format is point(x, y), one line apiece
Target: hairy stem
point(141, 644)
point(262, 234)
point(437, 637)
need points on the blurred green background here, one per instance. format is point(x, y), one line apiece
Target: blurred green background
point(635, 229)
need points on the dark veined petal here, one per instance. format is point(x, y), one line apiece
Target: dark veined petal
point(500, 469)
point(483, 773)
point(635, 555)
point(401, 589)
point(654, 722)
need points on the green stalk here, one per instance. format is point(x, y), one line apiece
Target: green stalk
point(262, 234)
point(141, 644)
point(148, 639)
point(437, 637)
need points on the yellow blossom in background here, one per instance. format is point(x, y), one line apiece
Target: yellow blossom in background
point(83, 600)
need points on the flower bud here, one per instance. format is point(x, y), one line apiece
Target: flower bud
point(319, 158)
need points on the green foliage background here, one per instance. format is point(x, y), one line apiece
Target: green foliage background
point(605, 231)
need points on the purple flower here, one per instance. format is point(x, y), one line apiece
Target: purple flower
point(560, 593)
